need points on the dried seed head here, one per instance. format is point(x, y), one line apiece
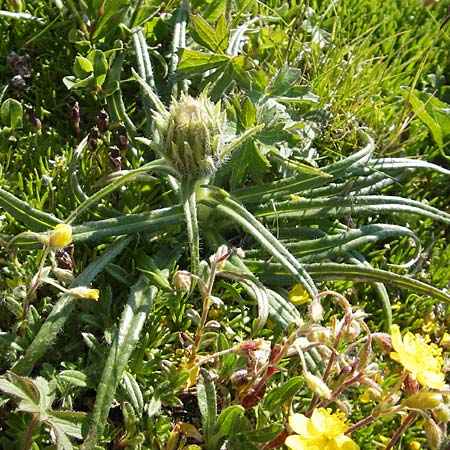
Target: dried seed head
point(190, 135)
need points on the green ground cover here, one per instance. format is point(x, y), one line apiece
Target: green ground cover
point(223, 224)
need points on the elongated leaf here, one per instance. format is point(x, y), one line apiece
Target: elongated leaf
point(223, 203)
point(278, 396)
point(274, 274)
point(350, 206)
point(32, 218)
point(305, 181)
point(131, 323)
point(207, 403)
point(62, 310)
point(226, 422)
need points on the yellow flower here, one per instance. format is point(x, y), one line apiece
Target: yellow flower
point(61, 236)
point(298, 295)
point(419, 357)
point(325, 430)
point(85, 292)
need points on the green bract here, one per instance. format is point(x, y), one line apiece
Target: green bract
point(190, 135)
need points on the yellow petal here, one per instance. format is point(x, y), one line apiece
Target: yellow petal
point(61, 236)
point(298, 295)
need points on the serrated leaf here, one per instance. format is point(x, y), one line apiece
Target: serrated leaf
point(216, 39)
point(434, 113)
point(286, 77)
point(222, 33)
point(247, 160)
point(70, 422)
point(195, 62)
point(60, 438)
point(22, 388)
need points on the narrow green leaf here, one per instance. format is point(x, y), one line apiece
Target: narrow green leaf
point(207, 402)
point(133, 392)
point(63, 308)
point(131, 323)
point(75, 377)
point(221, 33)
point(280, 395)
point(225, 425)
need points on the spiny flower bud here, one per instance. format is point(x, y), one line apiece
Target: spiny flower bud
point(190, 135)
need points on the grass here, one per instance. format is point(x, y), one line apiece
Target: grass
point(314, 181)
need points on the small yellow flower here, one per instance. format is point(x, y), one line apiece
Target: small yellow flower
point(298, 295)
point(419, 357)
point(193, 369)
point(85, 292)
point(414, 445)
point(60, 236)
point(325, 430)
point(445, 341)
point(294, 197)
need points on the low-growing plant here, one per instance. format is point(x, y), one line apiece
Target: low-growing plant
point(226, 153)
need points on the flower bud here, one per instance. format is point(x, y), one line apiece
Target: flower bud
point(442, 413)
point(60, 236)
point(433, 434)
point(317, 385)
point(84, 292)
point(315, 310)
point(190, 135)
point(182, 280)
point(424, 400)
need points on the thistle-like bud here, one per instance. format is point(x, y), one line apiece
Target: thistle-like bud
point(191, 135)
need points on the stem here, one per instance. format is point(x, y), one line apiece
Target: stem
point(31, 427)
point(34, 284)
point(406, 423)
point(189, 202)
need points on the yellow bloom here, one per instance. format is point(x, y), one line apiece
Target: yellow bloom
point(325, 430)
point(85, 292)
point(419, 357)
point(298, 295)
point(61, 236)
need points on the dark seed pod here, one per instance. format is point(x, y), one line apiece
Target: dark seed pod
point(115, 160)
point(93, 139)
point(122, 137)
point(103, 121)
